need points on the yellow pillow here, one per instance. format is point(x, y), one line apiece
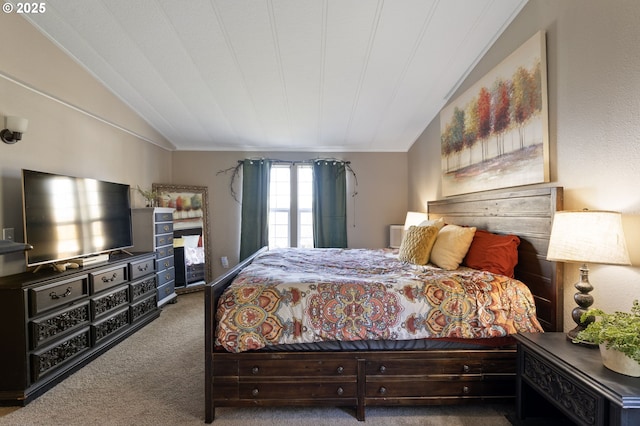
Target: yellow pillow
point(417, 244)
point(451, 245)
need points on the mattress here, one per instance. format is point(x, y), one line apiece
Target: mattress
point(340, 299)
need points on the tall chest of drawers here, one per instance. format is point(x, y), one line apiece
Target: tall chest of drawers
point(53, 323)
point(153, 231)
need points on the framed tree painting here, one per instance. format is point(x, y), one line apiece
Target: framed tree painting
point(495, 134)
point(190, 215)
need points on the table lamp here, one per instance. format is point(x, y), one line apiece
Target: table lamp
point(414, 218)
point(586, 236)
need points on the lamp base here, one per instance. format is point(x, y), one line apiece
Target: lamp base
point(572, 335)
point(584, 300)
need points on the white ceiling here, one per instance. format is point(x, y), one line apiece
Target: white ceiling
point(280, 75)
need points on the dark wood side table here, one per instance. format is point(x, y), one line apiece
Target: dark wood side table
point(572, 378)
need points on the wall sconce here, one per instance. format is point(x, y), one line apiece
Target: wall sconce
point(15, 127)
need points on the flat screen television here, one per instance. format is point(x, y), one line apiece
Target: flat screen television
point(68, 217)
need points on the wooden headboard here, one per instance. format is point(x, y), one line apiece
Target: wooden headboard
point(527, 213)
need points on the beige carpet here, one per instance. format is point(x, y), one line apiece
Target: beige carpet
point(156, 377)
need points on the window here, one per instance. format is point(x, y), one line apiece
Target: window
point(290, 190)
point(279, 206)
point(305, 200)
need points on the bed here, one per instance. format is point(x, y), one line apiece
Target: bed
point(374, 363)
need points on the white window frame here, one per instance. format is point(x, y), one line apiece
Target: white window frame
point(294, 219)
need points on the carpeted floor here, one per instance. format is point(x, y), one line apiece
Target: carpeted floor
point(156, 377)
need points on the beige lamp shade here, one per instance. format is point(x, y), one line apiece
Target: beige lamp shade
point(588, 236)
point(414, 219)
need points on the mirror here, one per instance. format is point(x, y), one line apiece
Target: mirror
point(190, 231)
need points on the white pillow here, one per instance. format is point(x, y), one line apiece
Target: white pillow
point(437, 223)
point(451, 246)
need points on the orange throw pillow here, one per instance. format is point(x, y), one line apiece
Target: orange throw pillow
point(493, 253)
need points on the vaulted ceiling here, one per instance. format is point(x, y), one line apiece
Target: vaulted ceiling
point(280, 75)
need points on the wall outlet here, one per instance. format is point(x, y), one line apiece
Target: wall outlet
point(224, 261)
point(7, 234)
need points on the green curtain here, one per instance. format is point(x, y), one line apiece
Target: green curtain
point(329, 204)
point(254, 232)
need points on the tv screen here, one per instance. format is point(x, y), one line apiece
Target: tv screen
point(67, 217)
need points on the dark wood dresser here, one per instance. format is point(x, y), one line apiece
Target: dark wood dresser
point(572, 378)
point(53, 323)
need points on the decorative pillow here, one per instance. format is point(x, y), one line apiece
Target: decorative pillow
point(493, 253)
point(451, 246)
point(417, 243)
point(439, 223)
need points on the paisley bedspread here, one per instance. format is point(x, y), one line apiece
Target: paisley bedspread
point(311, 295)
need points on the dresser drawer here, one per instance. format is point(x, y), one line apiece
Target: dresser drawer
point(166, 289)
point(104, 279)
point(299, 389)
point(409, 367)
point(109, 301)
point(110, 325)
point(164, 228)
point(164, 251)
point(307, 368)
point(469, 386)
point(195, 272)
point(143, 287)
point(165, 263)
point(575, 398)
point(166, 276)
point(142, 267)
point(164, 240)
point(163, 217)
point(143, 307)
point(45, 329)
point(57, 294)
point(47, 359)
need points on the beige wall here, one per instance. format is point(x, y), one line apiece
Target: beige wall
point(594, 120)
point(75, 126)
point(381, 195)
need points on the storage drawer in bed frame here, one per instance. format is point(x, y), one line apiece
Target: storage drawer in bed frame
point(362, 379)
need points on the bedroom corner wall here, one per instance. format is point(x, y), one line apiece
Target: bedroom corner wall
point(381, 199)
point(76, 126)
point(594, 125)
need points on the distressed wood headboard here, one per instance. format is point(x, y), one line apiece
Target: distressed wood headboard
point(525, 212)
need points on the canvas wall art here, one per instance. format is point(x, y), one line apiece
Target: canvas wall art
point(495, 134)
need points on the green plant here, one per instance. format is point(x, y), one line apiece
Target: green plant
point(150, 196)
point(619, 330)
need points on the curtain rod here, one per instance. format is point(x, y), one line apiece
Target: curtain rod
point(295, 161)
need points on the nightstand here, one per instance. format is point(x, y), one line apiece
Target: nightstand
point(572, 378)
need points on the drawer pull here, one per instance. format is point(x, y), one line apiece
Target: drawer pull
point(167, 264)
point(54, 296)
point(340, 391)
point(255, 370)
point(166, 228)
point(113, 277)
point(340, 370)
point(141, 269)
point(465, 390)
point(382, 390)
point(383, 369)
point(466, 368)
point(255, 392)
